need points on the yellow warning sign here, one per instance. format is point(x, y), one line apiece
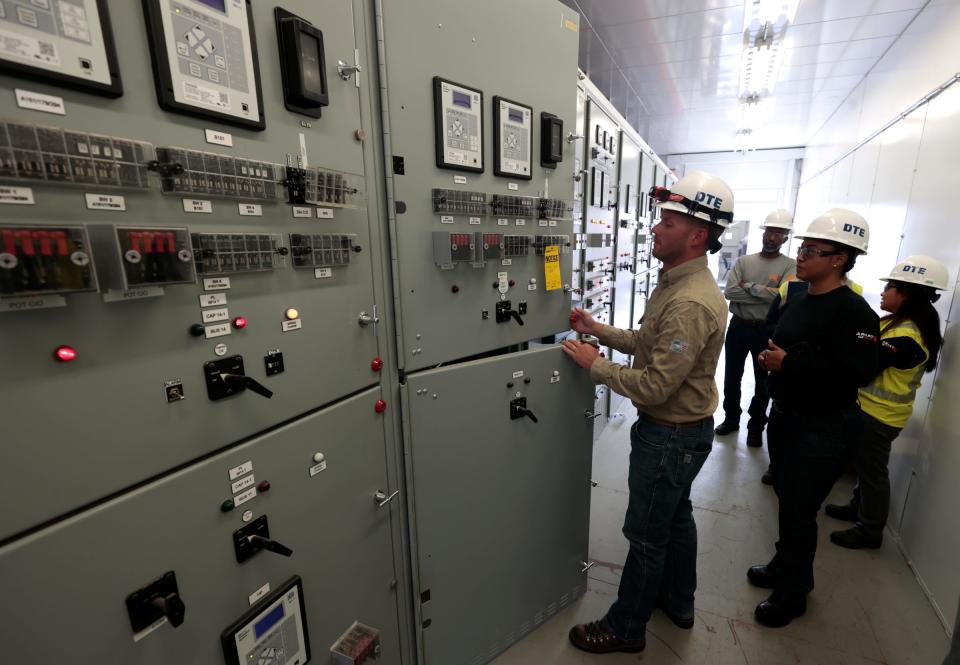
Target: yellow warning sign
point(569, 25)
point(551, 267)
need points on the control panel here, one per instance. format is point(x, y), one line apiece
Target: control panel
point(458, 122)
point(205, 57)
point(69, 42)
point(512, 136)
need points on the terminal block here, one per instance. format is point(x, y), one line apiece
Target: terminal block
point(455, 201)
point(450, 249)
point(514, 206)
point(185, 171)
point(130, 257)
point(317, 250)
point(489, 246)
point(323, 187)
point(543, 241)
point(553, 209)
point(45, 260)
point(39, 154)
point(514, 246)
point(356, 645)
point(226, 253)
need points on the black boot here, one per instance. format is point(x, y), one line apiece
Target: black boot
point(844, 512)
point(856, 539)
point(726, 427)
point(775, 613)
point(764, 576)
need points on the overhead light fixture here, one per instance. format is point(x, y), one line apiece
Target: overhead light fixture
point(765, 28)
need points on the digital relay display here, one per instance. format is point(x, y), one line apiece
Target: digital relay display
point(458, 120)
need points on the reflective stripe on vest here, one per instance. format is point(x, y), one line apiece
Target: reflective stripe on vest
point(885, 387)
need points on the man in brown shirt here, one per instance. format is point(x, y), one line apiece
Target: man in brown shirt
point(672, 385)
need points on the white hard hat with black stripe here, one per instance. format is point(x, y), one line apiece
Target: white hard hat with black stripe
point(701, 195)
point(922, 270)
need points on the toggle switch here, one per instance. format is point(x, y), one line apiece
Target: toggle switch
point(251, 538)
point(518, 409)
point(159, 599)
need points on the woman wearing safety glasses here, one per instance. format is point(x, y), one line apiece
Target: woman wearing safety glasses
point(824, 348)
point(910, 341)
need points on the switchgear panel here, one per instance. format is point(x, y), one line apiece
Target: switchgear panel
point(205, 59)
point(458, 125)
point(134, 256)
point(512, 138)
point(65, 41)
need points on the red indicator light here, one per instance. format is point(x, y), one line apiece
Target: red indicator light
point(239, 322)
point(65, 353)
point(380, 406)
point(376, 364)
point(264, 486)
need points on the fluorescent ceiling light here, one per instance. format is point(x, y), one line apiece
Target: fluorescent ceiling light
point(765, 26)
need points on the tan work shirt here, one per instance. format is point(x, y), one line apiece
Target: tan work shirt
point(675, 350)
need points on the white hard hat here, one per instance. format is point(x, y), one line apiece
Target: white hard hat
point(778, 219)
point(700, 195)
point(842, 226)
point(922, 270)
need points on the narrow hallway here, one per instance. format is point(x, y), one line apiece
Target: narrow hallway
point(867, 606)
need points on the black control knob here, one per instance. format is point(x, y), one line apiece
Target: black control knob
point(247, 382)
point(261, 543)
point(516, 316)
point(172, 607)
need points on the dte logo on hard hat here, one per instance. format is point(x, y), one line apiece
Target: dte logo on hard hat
point(915, 269)
point(855, 230)
point(709, 199)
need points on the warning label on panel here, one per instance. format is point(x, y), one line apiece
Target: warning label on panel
point(200, 94)
point(24, 47)
point(551, 267)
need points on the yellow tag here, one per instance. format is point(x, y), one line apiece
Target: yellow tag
point(551, 267)
point(569, 25)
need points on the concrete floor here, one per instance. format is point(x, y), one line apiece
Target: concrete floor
point(867, 607)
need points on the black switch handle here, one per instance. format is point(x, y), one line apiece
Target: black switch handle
point(529, 414)
point(172, 608)
point(516, 316)
point(248, 382)
point(270, 545)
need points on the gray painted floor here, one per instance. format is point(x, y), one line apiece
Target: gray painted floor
point(867, 607)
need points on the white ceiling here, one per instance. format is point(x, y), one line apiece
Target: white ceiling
point(672, 67)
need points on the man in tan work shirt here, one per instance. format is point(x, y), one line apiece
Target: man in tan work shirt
point(672, 385)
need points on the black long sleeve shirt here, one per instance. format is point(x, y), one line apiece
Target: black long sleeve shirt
point(832, 342)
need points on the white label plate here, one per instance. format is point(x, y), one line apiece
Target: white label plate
point(116, 295)
point(259, 593)
point(300, 211)
point(474, 220)
point(218, 138)
point(542, 222)
point(243, 497)
point(241, 470)
point(250, 209)
point(38, 302)
point(323, 273)
point(324, 213)
point(287, 326)
point(460, 180)
point(446, 219)
point(197, 205)
point(214, 315)
point(17, 195)
point(512, 186)
point(554, 379)
point(213, 299)
point(317, 468)
point(242, 484)
point(219, 330)
point(216, 284)
point(105, 202)
point(531, 287)
point(553, 222)
point(518, 374)
point(34, 101)
point(507, 262)
point(521, 222)
point(502, 221)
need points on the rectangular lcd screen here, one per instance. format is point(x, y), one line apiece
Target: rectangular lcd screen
point(220, 5)
point(461, 99)
point(268, 622)
point(515, 115)
point(310, 61)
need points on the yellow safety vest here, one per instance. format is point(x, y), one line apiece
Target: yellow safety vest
point(889, 398)
point(784, 288)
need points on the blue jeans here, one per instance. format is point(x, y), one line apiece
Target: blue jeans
point(662, 562)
